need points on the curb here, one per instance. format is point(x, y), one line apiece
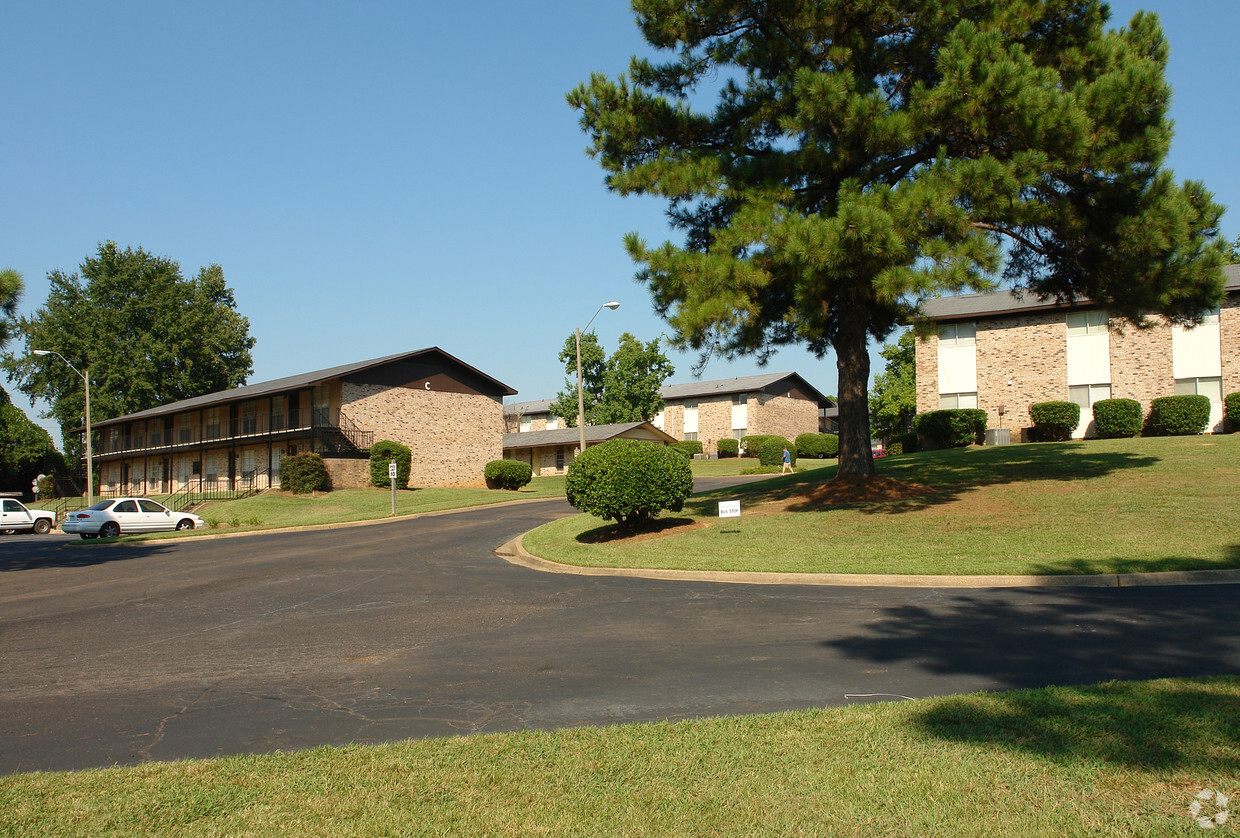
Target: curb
point(514, 553)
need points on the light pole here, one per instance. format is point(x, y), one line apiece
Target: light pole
point(581, 401)
point(90, 470)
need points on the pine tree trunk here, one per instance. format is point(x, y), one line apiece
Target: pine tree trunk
point(853, 366)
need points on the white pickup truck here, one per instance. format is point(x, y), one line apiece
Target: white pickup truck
point(14, 516)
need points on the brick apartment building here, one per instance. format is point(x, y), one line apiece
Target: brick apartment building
point(999, 351)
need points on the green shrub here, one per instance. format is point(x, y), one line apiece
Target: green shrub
point(907, 443)
point(381, 453)
point(629, 481)
point(507, 474)
point(687, 448)
point(951, 428)
point(894, 448)
point(1178, 416)
point(304, 473)
point(1117, 418)
point(771, 451)
point(1231, 412)
point(728, 448)
point(1055, 421)
point(817, 446)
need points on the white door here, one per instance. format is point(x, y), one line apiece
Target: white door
point(129, 516)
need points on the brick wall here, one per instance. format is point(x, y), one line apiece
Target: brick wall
point(452, 436)
point(1021, 360)
point(1141, 362)
point(1229, 338)
point(347, 473)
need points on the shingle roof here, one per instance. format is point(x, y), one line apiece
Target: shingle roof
point(1005, 302)
point(570, 436)
point(292, 382)
point(692, 390)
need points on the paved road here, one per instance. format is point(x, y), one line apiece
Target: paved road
point(128, 653)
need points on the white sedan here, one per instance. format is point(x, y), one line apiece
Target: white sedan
point(15, 516)
point(114, 516)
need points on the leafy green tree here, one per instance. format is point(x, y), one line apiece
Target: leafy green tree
point(622, 388)
point(11, 287)
point(1233, 252)
point(147, 336)
point(893, 398)
point(863, 157)
point(26, 450)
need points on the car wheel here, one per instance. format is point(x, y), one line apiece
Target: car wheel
point(185, 524)
point(42, 526)
point(110, 530)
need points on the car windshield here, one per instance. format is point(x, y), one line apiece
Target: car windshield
point(101, 505)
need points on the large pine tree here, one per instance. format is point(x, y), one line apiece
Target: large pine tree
point(861, 157)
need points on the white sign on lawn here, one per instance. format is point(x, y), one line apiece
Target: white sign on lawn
point(729, 509)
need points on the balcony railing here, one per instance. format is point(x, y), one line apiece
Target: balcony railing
point(243, 427)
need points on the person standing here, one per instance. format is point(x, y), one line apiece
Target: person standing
point(787, 466)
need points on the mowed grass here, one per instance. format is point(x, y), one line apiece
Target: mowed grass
point(1095, 506)
point(1118, 759)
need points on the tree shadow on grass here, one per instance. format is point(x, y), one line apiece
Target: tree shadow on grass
point(650, 529)
point(917, 482)
point(1160, 725)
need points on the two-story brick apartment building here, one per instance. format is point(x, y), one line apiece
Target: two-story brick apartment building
point(1000, 350)
point(781, 403)
point(447, 412)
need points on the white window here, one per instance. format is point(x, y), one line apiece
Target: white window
point(527, 424)
point(958, 334)
point(691, 420)
point(1207, 386)
point(1087, 323)
point(739, 433)
point(553, 422)
point(740, 413)
point(955, 401)
point(247, 464)
point(657, 421)
point(1196, 351)
point(1086, 394)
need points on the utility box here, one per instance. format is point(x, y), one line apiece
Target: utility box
point(998, 436)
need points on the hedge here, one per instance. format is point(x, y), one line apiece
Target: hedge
point(951, 428)
point(507, 474)
point(906, 443)
point(768, 448)
point(818, 446)
point(728, 448)
point(687, 448)
point(629, 481)
point(1117, 418)
point(1178, 416)
point(1231, 412)
point(1055, 420)
point(304, 473)
point(383, 452)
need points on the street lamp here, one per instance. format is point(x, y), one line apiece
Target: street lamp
point(581, 401)
point(90, 473)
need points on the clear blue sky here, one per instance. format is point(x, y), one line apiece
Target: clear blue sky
point(381, 177)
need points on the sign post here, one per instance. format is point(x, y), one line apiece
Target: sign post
point(392, 477)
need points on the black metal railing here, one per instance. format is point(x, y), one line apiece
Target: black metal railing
point(198, 490)
point(361, 440)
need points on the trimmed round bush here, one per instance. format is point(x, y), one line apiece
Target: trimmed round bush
point(951, 428)
point(507, 474)
point(817, 446)
point(687, 448)
point(728, 448)
point(1178, 416)
point(1055, 421)
point(304, 473)
point(770, 451)
point(906, 442)
point(1117, 418)
point(381, 453)
point(1231, 412)
point(629, 481)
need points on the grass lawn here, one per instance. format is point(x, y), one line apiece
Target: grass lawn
point(1118, 759)
point(1096, 506)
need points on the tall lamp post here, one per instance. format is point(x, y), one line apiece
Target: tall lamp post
point(90, 470)
point(581, 401)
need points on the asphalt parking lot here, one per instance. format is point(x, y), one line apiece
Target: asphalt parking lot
point(124, 653)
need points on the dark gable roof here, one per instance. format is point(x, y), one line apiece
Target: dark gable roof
point(296, 382)
point(697, 390)
point(963, 306)
point(572, 436)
